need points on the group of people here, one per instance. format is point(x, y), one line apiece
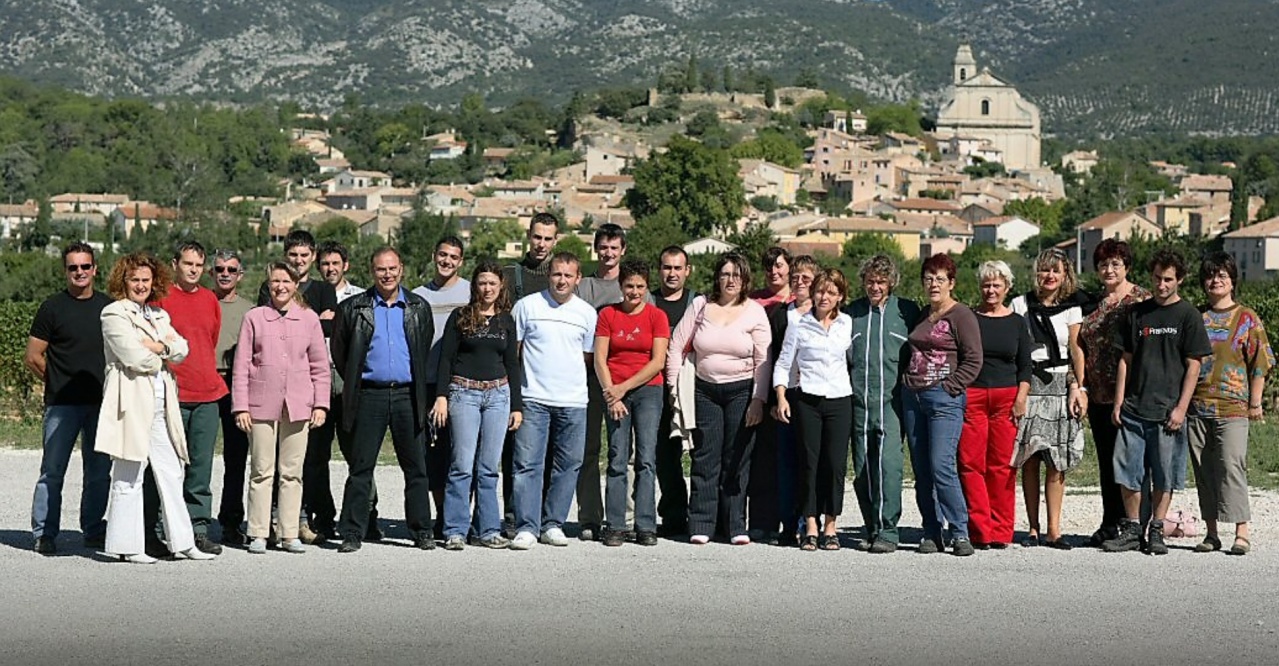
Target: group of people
point(515, 374)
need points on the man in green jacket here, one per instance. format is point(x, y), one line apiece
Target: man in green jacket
point(881, 323)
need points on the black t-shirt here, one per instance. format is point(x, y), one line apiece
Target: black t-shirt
point(489, 353)
point(1160, 339)
point(674, 309)
point(319, 295)
point(1005, 345)
point(75, 362)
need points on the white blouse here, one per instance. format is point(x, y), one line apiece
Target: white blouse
point(821, 355)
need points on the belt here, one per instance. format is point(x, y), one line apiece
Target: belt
point(366, 384)
point(477, 384)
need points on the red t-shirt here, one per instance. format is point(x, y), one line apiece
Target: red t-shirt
point(197, 317)
point(630, 339)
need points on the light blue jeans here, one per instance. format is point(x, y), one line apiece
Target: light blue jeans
point(477, 422)
point(638, 427)
point(934, 420)
point(563, 429)
point(62, 425)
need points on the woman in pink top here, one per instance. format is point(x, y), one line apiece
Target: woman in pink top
point(729, 336)
point(280, 386)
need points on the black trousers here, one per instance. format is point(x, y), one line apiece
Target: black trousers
point(317, 492)
point(439, 448)
point(824, 424)
point(1103, 434)
point(763, 505)
point(235, 460)
point(721, 471)
point(672, 507)
point(381, 409)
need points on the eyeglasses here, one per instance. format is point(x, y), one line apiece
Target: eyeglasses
point(71, 268)
point(936, 279)
point(802, 278)
point(225, 269)
point(1112, 265)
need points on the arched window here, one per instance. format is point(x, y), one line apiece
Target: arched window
point(963, 74)
point(985, 107)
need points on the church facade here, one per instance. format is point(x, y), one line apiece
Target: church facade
point(984, 107)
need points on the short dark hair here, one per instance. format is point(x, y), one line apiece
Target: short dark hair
point(565, 258)
point(544, 218)
point(744, 267)
point(333, 247)
point(1112, 248)
point(453, 241)
point(671, 250)
point(1215, 263)
point(771, 255)
point(1168, 258)
point(632, 268)
point(75, 247)
point(189, 246)
point(940, 262)
point(299, 237)
point(609, 231)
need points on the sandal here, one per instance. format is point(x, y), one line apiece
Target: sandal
point(1208, 545)
point(1241, 547)
point(808, 543)
point(829, 542)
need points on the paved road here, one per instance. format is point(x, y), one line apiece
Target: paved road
point(673, 603)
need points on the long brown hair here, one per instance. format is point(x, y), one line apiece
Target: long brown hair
point(469, 319)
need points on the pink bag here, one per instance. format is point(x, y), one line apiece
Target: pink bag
point(1180, 524)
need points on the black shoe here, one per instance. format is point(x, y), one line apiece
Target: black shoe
point(884, 546)
point(962, 548)
point(207, 545)
point(929, 546)
point(1031, 541)
point(1129, 538)
point(1155, 538)
point(787, 539)
point(45, 545)
point(614, 538)
point(232, 535)
point(671, 530)
point(373, 532)
point(1059, 544)
point(1102, 535)
point(349, 545)
point(646, 538)
point(590, 532)
point(157, 549)
point(424, 541)
point(95, 542)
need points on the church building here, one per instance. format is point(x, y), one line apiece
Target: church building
point(982, 106)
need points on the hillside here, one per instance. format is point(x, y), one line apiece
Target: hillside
point(1095, 67)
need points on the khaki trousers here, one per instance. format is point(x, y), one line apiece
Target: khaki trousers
point(1219, 455)
point(264, 462)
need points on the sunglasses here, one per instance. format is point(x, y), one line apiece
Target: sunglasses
point(225, 269)
point(71, 268)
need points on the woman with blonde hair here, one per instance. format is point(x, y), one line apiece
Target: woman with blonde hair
point(279, 389)
point(139, 424)
point(1052, 430)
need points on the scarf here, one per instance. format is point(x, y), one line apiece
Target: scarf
point(1041, 328)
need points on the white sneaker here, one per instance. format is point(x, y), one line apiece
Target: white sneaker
point(257, 546)
point(554, 537)
point(523, 541)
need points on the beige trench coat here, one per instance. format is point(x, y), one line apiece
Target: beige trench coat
point(128, 395)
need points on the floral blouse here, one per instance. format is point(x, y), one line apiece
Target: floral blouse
point(1240, 351)
point(1099, 336)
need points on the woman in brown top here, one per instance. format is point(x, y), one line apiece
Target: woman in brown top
point(945, 357)
point(1098, 336)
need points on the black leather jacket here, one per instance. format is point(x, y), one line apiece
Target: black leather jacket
point(352, 333)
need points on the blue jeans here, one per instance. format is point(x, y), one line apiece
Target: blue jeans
point(477, 422)
point(62, 424)
point(564, 428)
point(934, 421)
point(644, 414)
point(1147, 452)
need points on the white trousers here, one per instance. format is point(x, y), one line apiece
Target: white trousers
point(125, 531)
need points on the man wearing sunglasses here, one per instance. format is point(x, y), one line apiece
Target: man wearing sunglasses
point(65, 351)
point(227, 271)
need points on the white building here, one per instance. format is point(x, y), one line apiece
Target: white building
point(1004, 231)
point(984, 106)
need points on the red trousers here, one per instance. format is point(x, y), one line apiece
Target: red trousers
point(985, 464)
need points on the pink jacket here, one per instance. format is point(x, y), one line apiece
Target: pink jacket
point(281, 369)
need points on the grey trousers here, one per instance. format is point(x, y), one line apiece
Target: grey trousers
point(1219, 456)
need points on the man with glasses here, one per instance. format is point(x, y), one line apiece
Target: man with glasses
point(65, 351)
point(227, 271)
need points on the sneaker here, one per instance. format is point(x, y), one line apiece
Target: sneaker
point(590, 532)
point(293, 546)
point(699, 539)
point(646, 538)
point(554, 537)
point(614, 538)
point(257, 546)
point(205, 544)
point(1129, 538)
point(496, 542)
point(929, 546)
point(741, 540)
point(882, 546)
point(46, 545)
point(1102, 535)
point(424, 541)
point(523, 541)
point(962, 547)
point(349, 545)
point(1155, 538)
point(454, 542)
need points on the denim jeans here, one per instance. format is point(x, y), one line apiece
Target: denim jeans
point(477, 419)
point(934, 422)
point(639, 426)
point(62, 424)
point(564, 430)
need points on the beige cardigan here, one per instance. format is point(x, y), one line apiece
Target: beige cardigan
point(128, 395)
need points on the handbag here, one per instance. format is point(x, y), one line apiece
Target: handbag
point(1181, 523)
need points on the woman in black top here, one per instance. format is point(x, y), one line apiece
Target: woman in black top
point(479, 358)
point(996, 402)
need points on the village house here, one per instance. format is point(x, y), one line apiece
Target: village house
point(14, 217)
point(357, 180)
point(840, 229)
point(1213, 189)
point(1122, 225)
point(1080, 161)
point(445, 145)
point(1004, 231)
point(495, 160)
point(917, 205)
point(73, 202)
point(845, 121)
point(139, 215)
point(1255, 249)
point(766, 179)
